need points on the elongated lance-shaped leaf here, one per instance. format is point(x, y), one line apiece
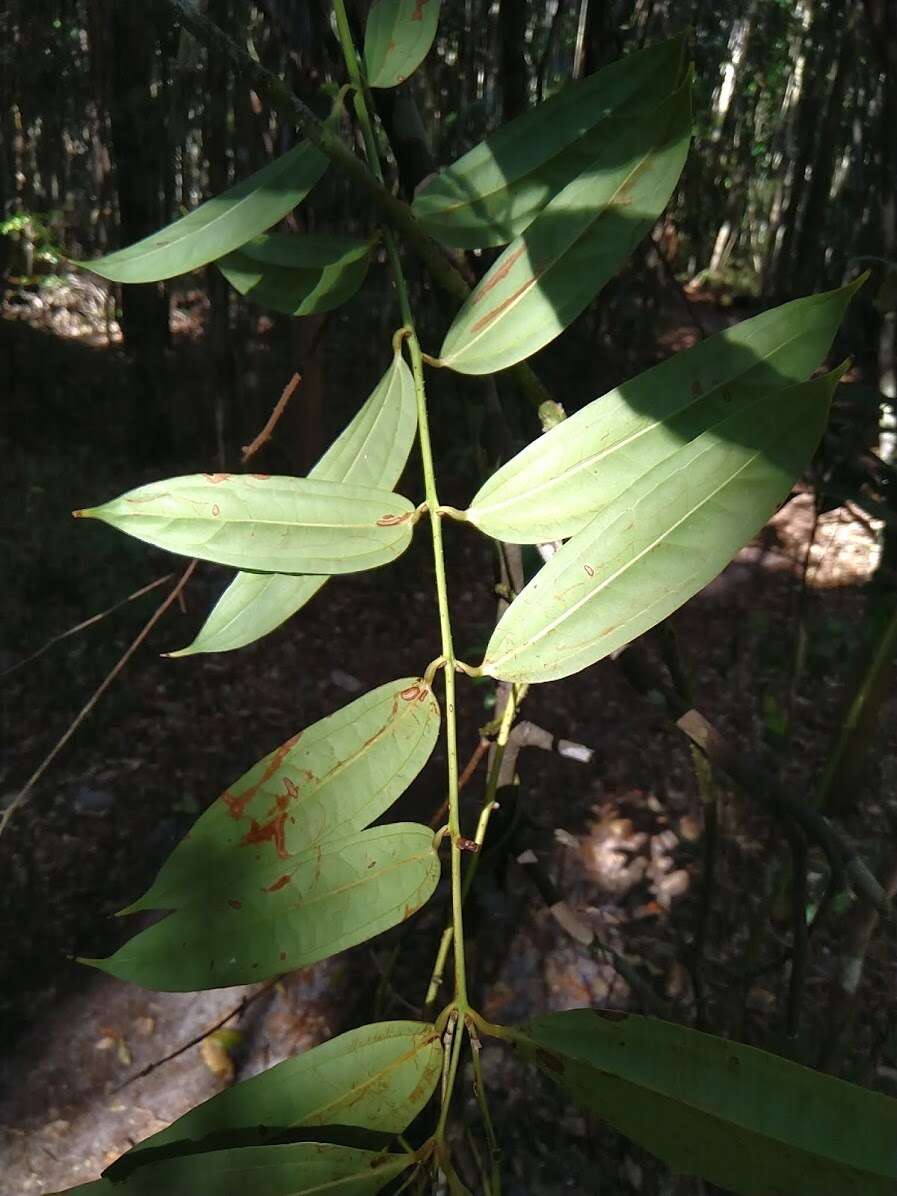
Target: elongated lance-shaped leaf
point(546, 277)
point(397, 38)
point(298, 275)
point(221, 224)
point(333, 896)
point(557, 484)
point(662, 540)
point(751, 1122)
point(371, 451)
point(327, 781)
point(272, 524)
point(491, 194)
point(378, 1077)
point(297, 1169)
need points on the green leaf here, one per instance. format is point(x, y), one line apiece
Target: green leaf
point(337, 894)
point(491, 194)
point(662, 539)
point(270, 524)
point(298, 275)
point(221, 224)
point(372, 451)
point(546, 277)
point(397, 38)
point(298, 1169)
point(378, 1077)
point(557, 484)
point(331, 779)
point(746, 1120)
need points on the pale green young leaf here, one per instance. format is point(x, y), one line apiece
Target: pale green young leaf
point(334, 896)
point(297, 1169)
point(329, 780)
point(663, 539)
point(378, 1077)
point(270, 524)
point(371, 451)
point(397, 38)
point(748, 1121)
point(546, 277)
point(220, 225)
point(298, 275)
point(557, 484)
point(491, 194)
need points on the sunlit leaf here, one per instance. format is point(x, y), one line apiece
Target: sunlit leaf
point(372, 451)
point(329, 780)
point(377, 1077)
point(546, 277)
point(331, 897)
point(221, 224)
point(297, 1169)
point(491, 194)
point(276, 524)
point(751, 1122)
point(298, 275)
point(557, 484)
point(397, 38)
point(662, 539)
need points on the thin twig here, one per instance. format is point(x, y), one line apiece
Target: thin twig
point(249, 450)
point(23, 794)
point(160, 581)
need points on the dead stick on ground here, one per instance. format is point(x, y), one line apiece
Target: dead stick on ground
point(23, 794)
point(249, 450)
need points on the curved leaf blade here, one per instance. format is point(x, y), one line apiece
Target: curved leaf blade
point(492, 193)
point(265, 523)
point(378, 1077)
point(298, 1169)
point(328, 781)
point(371, 451)
point(556, 485)
point(662, 540)
point(332, 897)
point(315, 275)
point(746, 1120)
point(397, 38)
point(220, 225)
point(546, 277)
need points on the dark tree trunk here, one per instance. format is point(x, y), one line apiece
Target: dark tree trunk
point(514, 78)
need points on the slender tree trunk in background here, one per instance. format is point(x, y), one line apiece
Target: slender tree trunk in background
point(139, 169)
point(514, 79)
point(602, 41)
point(100, 57)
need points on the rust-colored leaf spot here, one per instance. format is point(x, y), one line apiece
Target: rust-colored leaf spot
point(283, 956)
point(216, 510)
point(499, 276)
point(552, 1062)
point(234, 903)
point(409, 910)
point(260, 477)
point(290, 787)
point(589, 570)
point(279, 883)
point(409, 694)
point(505, 304)
point(418, 14)
point(237, 802)
point(272, 829)
point(611, 1015)
point(696, 389)
point(393, 520)
point(215, 478)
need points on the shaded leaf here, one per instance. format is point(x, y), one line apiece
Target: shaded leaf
point(397, 38)
point(372, 451)
point(298, 275)
point(491, 194)
point(377, 1077)
point(546, 277)
point(557, 484)
point(276, 524)
point(749, 1121)
point(662, 539)
point(331, 897)
point(329, 780)
point(298, 1169)
point(221, 224)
